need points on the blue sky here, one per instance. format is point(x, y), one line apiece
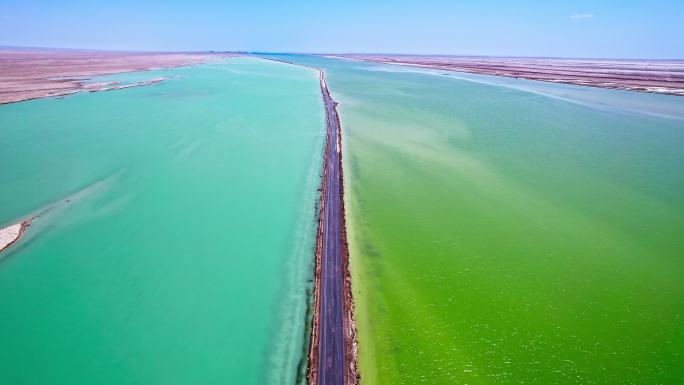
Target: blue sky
point(581, 28)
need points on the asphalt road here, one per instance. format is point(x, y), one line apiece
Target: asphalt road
point(331, 365)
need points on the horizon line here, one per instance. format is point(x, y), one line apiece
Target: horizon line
point(257, 52)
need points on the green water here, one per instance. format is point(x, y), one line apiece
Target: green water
point(184, 253)
point(507, 232)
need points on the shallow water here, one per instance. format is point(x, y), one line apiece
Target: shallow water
point(509, 231)
point(184, 252)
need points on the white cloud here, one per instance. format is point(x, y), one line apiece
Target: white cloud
point(580, 16)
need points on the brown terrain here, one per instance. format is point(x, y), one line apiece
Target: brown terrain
point(35, 73)
point(655, 76)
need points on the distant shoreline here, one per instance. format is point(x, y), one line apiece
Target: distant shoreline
point(651, 76)
point(27, 73)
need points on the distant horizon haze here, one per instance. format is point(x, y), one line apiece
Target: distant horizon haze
point(10, 47)
point(601, 29)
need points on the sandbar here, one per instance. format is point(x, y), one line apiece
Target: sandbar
point(10, 234)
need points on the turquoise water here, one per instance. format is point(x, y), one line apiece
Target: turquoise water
point(178, 240)
point(502, 231)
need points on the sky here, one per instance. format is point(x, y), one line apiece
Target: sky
point(559, 28)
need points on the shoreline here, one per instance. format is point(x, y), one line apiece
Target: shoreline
point(34, 74)
point(656, 77)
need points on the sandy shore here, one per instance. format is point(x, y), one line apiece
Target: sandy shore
point(35, 73)
point(654, 76)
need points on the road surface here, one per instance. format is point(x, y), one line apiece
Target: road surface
point(332, 354)
point(331, 349)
